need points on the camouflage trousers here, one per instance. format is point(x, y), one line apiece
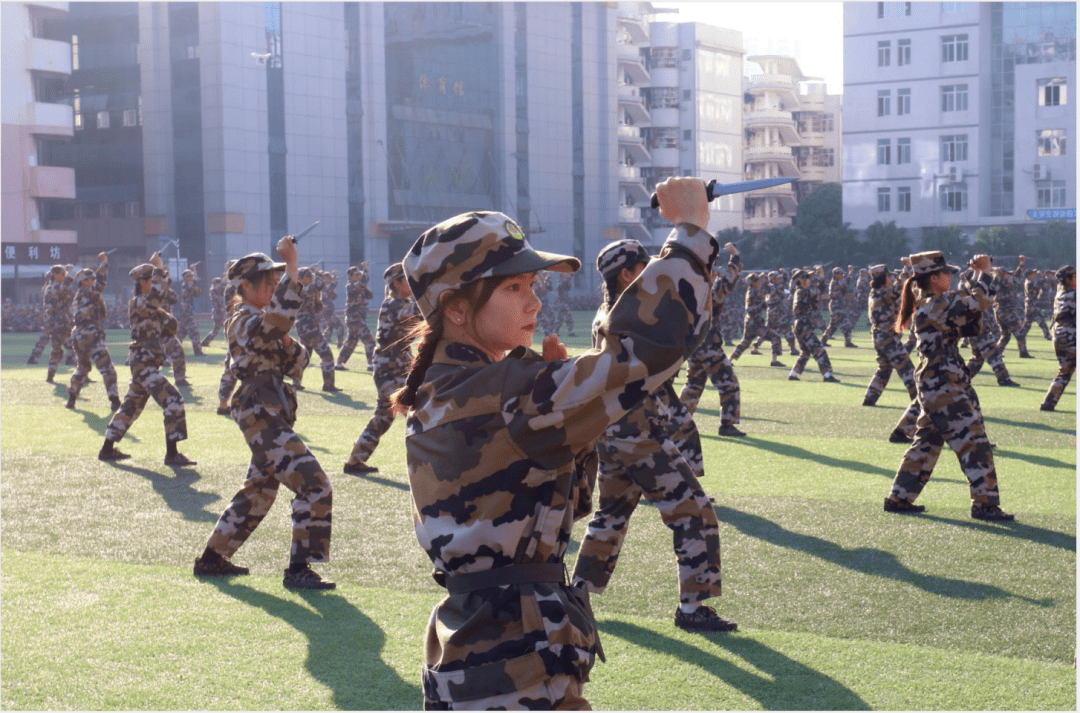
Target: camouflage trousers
point(59, 333)
point(774, 333)
point(278, 457)
point(684, 432)
point(227, 383)
point(358, 332)
point(839, 321)
point(219, 324)
point(189, 329)
point(1035, 316)
point(628, 469)
point(146, 382)
point(729, 325)
point(90, 348)
point(1065, 348)
point(174, 352)
point(560, 692)
point(891, 356)
point(908, 420)
point(332, 323)
point(316, 343)
point(985, 349)
point(810, 346)
point(710, 362)
point(386, 383)
point(1010, 326)
point(752, 328)
point(948, 416)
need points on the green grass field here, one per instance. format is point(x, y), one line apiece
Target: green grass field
point(840, 605)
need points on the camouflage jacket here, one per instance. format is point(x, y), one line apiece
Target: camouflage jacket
point(938, 320)
point(1065, 312)
point(258, 356)
point(393, 353)
point(838, 292)
point(311, 306)
point(329, 294)
point(88, 306)
point(1047, 292)
point(774, 303)
point(357, 296)
point(217, 301)
point(882, 306)
point(1010, 291)
point(188, 293)
point(499, 457)
point(723, 285)
point(755, 303)
point(804, 304)
point(57, 298)
point(862, 290)
point(150, 323)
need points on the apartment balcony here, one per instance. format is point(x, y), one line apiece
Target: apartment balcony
point(632, 224)
point(49, 119)
point(812, 102)
point(811, 173)
point(632, 184)
point(632, 143)
point(630, 93)
point(755, 224)
point(783, 193)
point(767, 153)
point(812, 138)
point(634, 25)
point(771, 81)
point(631, 61)
point(48, 56)
point(50, 182)
point(55, 8)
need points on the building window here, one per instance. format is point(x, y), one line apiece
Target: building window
point(954, 147)
point(903, 52)
point(688, 134)
point(131, 209)
point(131, 117)
point(880, 10)
point(954, 197)
point(86, 210)
point(1052, 92)
point(1051, 142)
point(103, 119)
point(954, 48)
point(903, 102)
point(823, 157)
point(74, 52)
point(903, 151)
point(904, 8)
point(953, 6)
point(1050, 194)
point(954, 97)
point(903, 199)
point(687, 94)
point(883, 200)
point(820, 123)
point(883, 102)
point(884, 152)
point(883, 53)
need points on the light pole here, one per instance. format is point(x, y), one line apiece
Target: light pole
point(167, 240)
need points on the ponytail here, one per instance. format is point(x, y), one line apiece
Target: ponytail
point(907, 300)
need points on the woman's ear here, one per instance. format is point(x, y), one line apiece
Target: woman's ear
point(456, 311)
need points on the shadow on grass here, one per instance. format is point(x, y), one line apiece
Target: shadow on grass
point(177, 492)
point(1029, 424)
point(381, 481)
point(803, 454)
point(100, 424)
point(782, 684)
point(343, 647)
point(1035, 460)
point(1018, 530)
point(865, 560)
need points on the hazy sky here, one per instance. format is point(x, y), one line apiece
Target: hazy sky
point(814, 29)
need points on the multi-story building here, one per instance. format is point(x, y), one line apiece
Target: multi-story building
point(35, 124)
point(958, 113)
point(633, 83)
point(792, 131)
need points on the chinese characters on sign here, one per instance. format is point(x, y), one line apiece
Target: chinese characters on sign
point(34, 253)
point(458, 87)
point(1052, 214)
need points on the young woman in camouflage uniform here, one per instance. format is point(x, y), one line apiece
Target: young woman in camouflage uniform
point(392, 359)
point(1064, 335)
point(754, 319)
point(1009, 307)
point(309, 330)
point(891, 355)
point(88, 334)
point(804, 308)
point(151, 326)
point(330, 319)
point(357, 296)
point(56, 296)
point(637, 457)
point(217, 309)
point(227, 382)
point(500, 445)
point(947, 414)
point(262, 354)
point(189, 328)
point(986, 346)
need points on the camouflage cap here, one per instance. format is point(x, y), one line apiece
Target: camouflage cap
point(930, 262)
point(620, 254)
point(305, 273)
point(141, 272)
point(188, 273)
point(250, 265)
point(57, 270)
point(1064, 273)
point(838, 272)
point(393, 273)
point(876, 270)
point(215, 281)
point(774, 276)
point(83, 274)
point(754, 277)
point(353, 270)
point(800, 274)
point(470, 247)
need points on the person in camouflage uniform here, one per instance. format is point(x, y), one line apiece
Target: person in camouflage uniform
point(218, 313)
point(891, 355)
point(709, 360)
point(189, 328)
point(357, 297)
point(309, 331)
point(500, 446)
point(330, 319)
point(88, 334)
point(392, 359)
point(638, 458)
point(264, 406)
point(839, 319)
point(228, 379)
point(151, 325)
point(754, 321)
point(167, 299)
point(862, 296)
point(731, 315)
point(947, 414)
point(545, 290)
point(1064, 336)
point(1044, 303)
point(563, 313)
point(804, 308)
point(1009, 307)
point(56, 296)
point(986, 346)
point(776, 321)
point(1032, 288)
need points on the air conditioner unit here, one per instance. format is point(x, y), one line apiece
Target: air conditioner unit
point(952, 174)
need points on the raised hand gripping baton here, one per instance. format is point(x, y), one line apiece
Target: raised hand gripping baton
point(302, 233)
point(714, 189)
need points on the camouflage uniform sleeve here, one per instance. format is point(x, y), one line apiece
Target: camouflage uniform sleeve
point(654, 325)
point(968, 302)
point(101, 277)
point(728, 276)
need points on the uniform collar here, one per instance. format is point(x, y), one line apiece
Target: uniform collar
point(459, 354)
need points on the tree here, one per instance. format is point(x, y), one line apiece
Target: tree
point(949, 241)
point(821, 210)
point(885, 242)
point(1054, 245)
point(998, 240)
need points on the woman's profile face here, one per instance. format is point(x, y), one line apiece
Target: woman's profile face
point(508, 319)
point(940, 282)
